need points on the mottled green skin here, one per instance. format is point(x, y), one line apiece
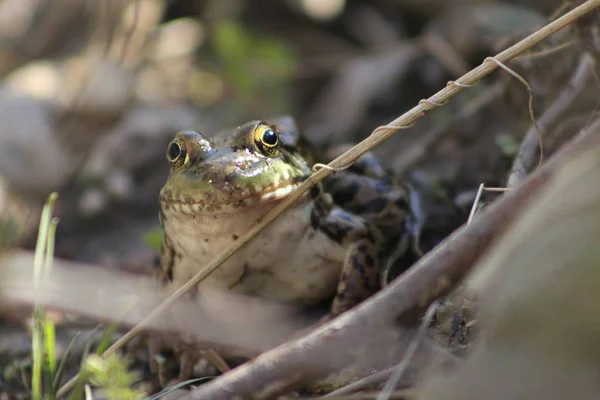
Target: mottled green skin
point(313, 251)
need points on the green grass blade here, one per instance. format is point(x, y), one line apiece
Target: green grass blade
point(38, 335)
point(49, 357)
point(42, 239)
point(37, 356)
point(105, 341)
point(63, 363)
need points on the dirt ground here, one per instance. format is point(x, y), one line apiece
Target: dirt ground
point(92, 93)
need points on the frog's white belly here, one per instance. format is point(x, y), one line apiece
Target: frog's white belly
point(288, 261)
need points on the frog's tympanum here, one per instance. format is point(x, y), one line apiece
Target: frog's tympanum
point(333, 242)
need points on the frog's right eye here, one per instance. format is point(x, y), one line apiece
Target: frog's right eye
point(176, 153)
point(266, 139)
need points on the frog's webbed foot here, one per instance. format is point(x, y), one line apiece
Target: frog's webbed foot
point(172, 359)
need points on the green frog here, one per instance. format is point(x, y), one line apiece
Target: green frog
point(338, 240)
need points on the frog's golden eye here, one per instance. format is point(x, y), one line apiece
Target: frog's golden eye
point(176, 154)
point(267, 139)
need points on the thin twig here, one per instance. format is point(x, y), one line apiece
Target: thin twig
point(475, 203)
point(390, 385)
point(370, 380)
point(481, 189)
point(528, 152)
point(529, 105)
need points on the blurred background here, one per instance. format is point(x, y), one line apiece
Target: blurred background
point(91, 93)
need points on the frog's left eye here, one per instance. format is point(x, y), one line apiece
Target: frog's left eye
point(177, 154)
point(266, 139)
point(174, 152)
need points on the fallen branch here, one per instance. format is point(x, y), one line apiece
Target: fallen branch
point(341, 341)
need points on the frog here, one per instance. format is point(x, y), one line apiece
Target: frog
point(337, 241)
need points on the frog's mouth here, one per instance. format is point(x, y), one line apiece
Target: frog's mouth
point(272, 195)
point(280, 192)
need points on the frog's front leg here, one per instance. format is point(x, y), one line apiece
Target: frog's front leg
point(361, 269)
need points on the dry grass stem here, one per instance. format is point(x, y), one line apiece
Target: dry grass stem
point(529, 105)
point(478, 197)
point(528, 152)
point(399, 370)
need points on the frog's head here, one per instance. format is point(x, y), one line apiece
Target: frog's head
point(257, 163)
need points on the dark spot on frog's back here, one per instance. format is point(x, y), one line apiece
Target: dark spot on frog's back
point(345, 193)
point(382, 187)
point(402, 203)
point(234, 236)
point(337, 232)
point(357, 265)
point(317, 213)
point(370, 237)
point(314, 191)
